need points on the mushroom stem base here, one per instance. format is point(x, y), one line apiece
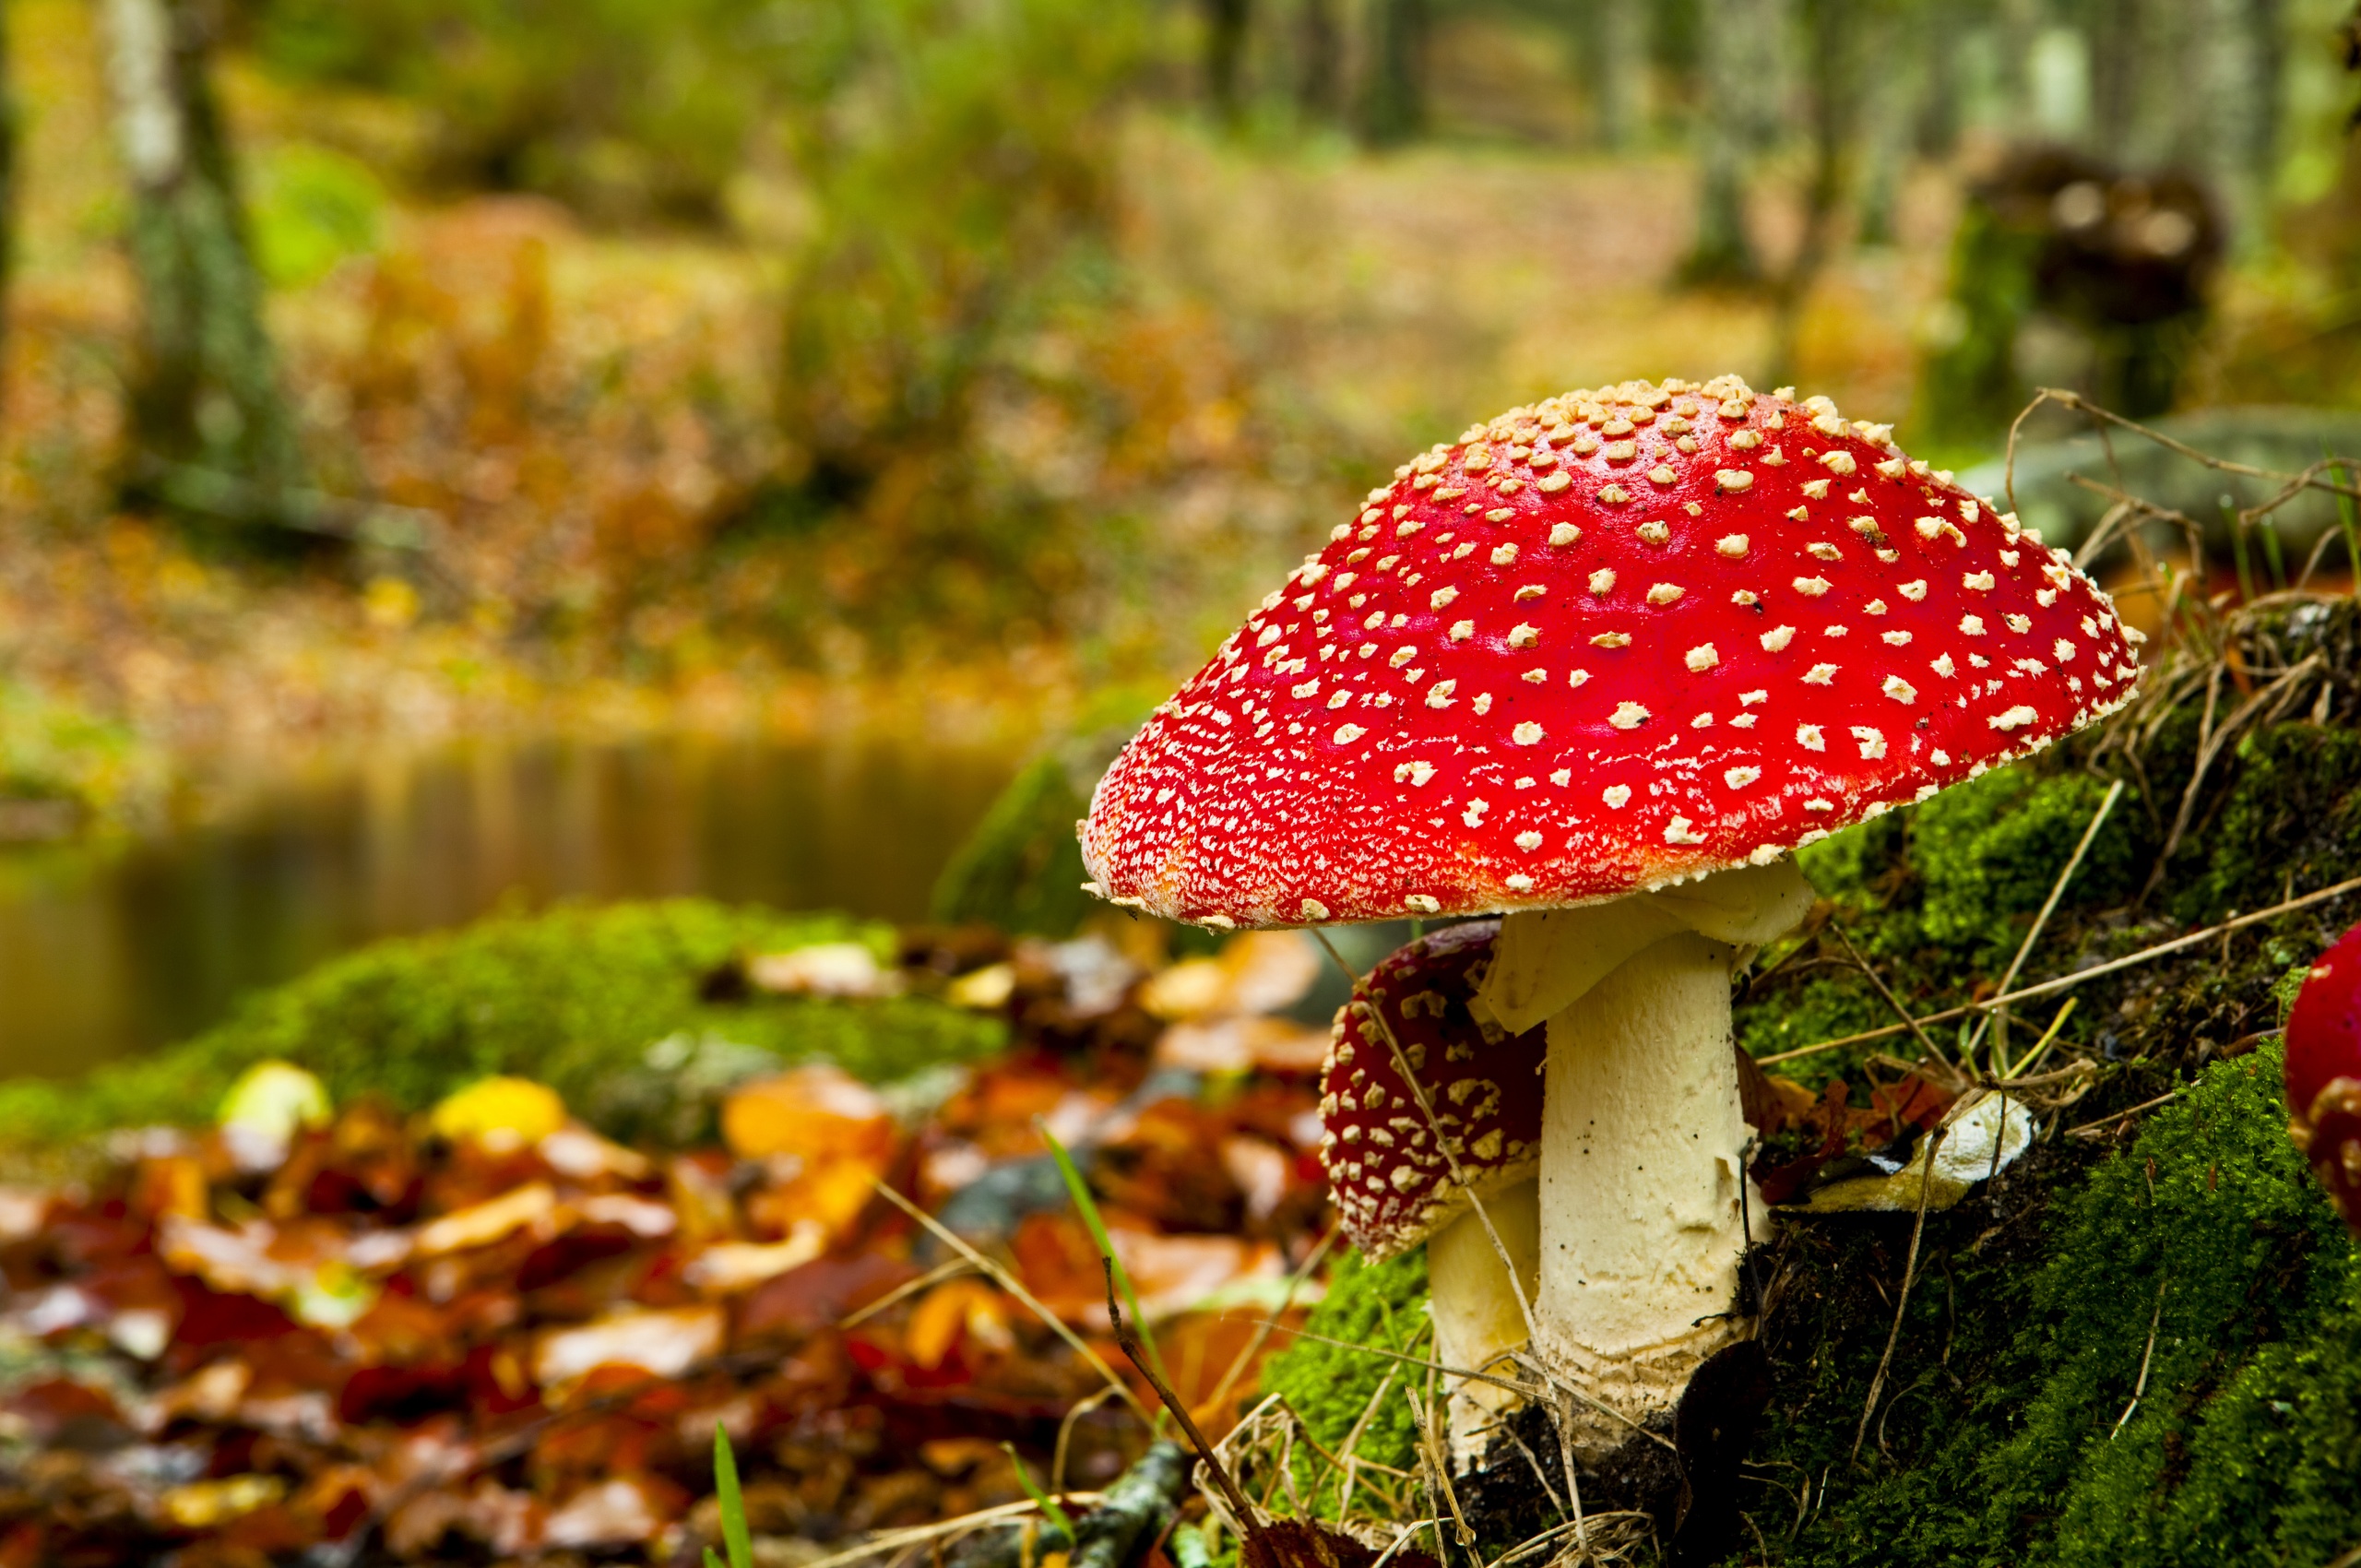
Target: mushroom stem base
point(1477, 1321)
point(1641, 1166)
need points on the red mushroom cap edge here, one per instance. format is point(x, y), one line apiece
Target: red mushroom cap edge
point(1598, 646)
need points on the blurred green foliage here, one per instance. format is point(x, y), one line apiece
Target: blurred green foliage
point(309, 208)
point(605, 1006)
point(963, 164)
point(55, 752)
point(623, 107)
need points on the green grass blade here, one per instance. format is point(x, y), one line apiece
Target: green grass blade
point(734, 1535)
point(1080, 1191)
point(1041, 1499)
point(2349, 518)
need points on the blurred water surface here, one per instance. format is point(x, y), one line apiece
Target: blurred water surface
point(104, 953)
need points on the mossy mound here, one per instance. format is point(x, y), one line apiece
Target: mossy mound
point(1330, 1385)
point(2029, 1418)
point(573, 997)
point(2141, 1345)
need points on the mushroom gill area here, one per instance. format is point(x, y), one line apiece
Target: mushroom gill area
point(2142, 1343)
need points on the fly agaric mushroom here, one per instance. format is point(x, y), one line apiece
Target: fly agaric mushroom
point(2324, 1074)
point(1394, 1186)
point(1602, 664)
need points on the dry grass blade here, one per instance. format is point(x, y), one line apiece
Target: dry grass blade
point(1253, 1347)
point(1902, 1297)
point(1924, 1041)
point(2113, 1117)
point(1516, 1386)
point(2048, 908)
point(2275, 695)
point(1247, 1522)
point(1009, 1283)
point(920, 1535)
point(2066, 983)
point(904, 1292)
point(2140, 1389)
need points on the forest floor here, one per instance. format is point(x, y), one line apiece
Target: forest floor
point(794, 1177)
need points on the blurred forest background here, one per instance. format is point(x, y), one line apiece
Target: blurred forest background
point(434, 366)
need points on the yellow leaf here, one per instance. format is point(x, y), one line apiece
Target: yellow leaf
point(500, 1113)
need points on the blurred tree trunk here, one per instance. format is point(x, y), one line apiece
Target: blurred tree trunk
point(1888, 93)
point(1320, 39)
point(2190, 84)
point(2017, 23)
point(1394, 101)
point(1618, 71)
point(1739, 55)
point(1841, 42)
point(205, 393)
point(1936, 54)
point(1227, 22)
point(2118, 36)
point(2230, 143)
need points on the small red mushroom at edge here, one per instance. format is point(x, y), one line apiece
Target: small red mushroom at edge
point(2324, 1074)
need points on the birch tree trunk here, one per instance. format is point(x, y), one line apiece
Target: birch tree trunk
point(205, 404)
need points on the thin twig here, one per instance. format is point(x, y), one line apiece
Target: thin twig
point(1245, 1358)
point(2223, 465)
point(2048, 908)
point(1924, 1041)
point(2066, 983)
point(1065, 1437)
point(1902, 1299)
point(1247, 1522)
point(1009, 1283)
point(2117, 1116)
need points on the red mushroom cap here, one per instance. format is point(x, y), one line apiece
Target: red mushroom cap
point(1598, 646)
point(1392, 1187)
point(2324, 1074)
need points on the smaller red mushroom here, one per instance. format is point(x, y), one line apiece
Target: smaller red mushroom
point(1392, 1185)
point(2324, 1074)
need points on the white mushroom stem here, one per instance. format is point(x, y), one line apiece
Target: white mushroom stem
point(1479, 1321)
point(1643, 1135)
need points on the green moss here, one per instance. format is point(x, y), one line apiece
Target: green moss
point(1021, 869)
point(1329, 1386)
point(2015, 1447)
point(573, 997)
point(2292, 814)
point(1988, 851)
